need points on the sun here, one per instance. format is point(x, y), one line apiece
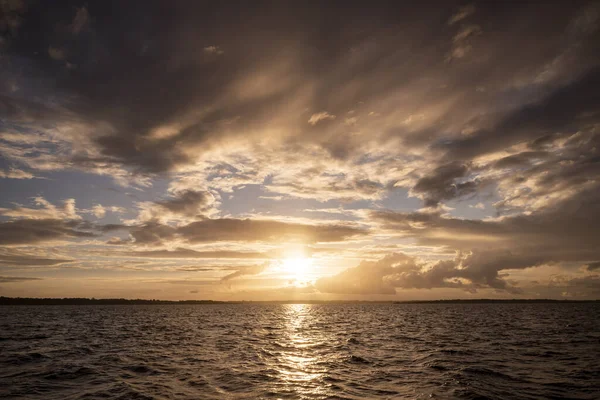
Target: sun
point(298, 268)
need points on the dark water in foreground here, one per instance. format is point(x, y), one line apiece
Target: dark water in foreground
point(469, 351)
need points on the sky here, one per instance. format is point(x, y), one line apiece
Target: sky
point(281, 150)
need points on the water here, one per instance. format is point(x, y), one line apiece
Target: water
point(337, 351)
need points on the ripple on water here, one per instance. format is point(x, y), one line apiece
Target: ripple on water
point(341, 351)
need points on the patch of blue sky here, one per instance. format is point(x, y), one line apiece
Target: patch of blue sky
point(399, 200)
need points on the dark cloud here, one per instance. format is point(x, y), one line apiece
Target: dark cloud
point(588, 286)
point(11, 18)
point(17, 279)
point(566, 110)
point(113, 227)
point(442, 184)
point(560, 232)
point(188, 253)
point(568, 166)
point(159, 81)
point(181, 206)
point(152, 233)
point(32, 231)
point(523, 159)
point(583, 287)
point(198, 269)
point(188, 203)
point(367, 186)
point(228, 229)
point(244, 230)
point(155, 98)
point(593, 266)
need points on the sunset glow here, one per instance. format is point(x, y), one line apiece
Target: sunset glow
point(334, 199)
point(299, 150)
point(298, 268)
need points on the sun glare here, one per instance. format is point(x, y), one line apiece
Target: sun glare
point(298, 268)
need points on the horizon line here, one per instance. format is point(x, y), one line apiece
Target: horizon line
point(116, 301)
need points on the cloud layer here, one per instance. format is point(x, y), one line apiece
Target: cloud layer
point(400, 147)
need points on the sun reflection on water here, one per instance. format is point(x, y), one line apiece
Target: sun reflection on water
point(303, 361)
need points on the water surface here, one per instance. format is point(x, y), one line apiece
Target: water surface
point(336, 351)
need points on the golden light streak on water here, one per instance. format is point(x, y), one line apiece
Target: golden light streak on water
point(301, 361)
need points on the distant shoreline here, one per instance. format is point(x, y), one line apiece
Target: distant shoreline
point(9, 301)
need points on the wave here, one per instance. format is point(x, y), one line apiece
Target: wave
point(276, 351)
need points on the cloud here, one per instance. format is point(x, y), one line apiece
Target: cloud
point(80, 21)
point(479, 206)
point(323, 179)
point(208, 138)
point(47, 210)
point(49, 223)
point(192, 268)
point(593, 266)
point(461, 14)
point(213, 50)
point(56, 53)
point(587, 286)
point(466, 32)
point(182, 205)
point(14, 173)
point(21, 259)
point(522, 159)
point(151, 233)
point(470, 272)
point(553, 234)
point(33, 231)
point(227, 229)
point(187, 281)
point(248, 270)
point(99, 211)
point(103, 132)
point(567, 287)
point(443, 184)
point(17, 279)
point(321, 116)
point(462, 41)
point(185, 205)
point(241, 230)
point(351, 121)
point(557, 112)
point(11, 17)
point(367, 278)
point(188, 253)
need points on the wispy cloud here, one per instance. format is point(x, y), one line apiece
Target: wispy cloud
point(321, 116)
point(14, 173)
